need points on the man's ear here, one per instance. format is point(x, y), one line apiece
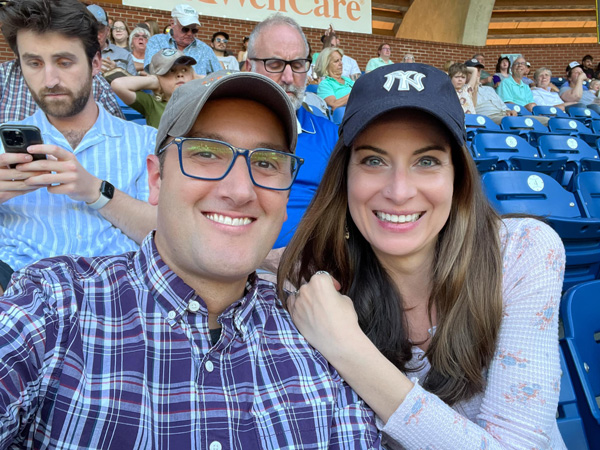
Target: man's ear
point(249, 65)
point(154, 178)
point(96, 64)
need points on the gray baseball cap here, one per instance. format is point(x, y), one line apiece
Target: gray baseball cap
point(166, 58)
point(99, 14)
point(187, 101)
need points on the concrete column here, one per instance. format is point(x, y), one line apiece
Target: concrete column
point(451, 21)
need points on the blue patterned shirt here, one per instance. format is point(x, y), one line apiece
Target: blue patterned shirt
point(38, 224)
point(206, 60)
point(115, 352)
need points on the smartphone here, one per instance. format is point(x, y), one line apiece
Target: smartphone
point(16, 139)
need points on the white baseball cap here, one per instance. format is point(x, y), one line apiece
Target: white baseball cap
point(185, 15)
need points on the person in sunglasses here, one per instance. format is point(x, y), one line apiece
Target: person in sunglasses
point(218, 43)
point(185, 25)
point(180, 344)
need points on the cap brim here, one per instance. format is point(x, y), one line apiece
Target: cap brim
point(186, 21)
point(183, 60)
point(242, 85)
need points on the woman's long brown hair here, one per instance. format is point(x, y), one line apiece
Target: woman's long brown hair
point(466, 285)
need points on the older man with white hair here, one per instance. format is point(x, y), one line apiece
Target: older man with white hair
point(185, 25)
point(278, 49)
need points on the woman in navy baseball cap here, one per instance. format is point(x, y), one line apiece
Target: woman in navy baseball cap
point(439, 313)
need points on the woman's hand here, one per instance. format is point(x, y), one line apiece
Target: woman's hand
point(325, 318)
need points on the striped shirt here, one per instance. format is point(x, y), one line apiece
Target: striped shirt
point(16, 101)
point(38, 224)
point(115, 352)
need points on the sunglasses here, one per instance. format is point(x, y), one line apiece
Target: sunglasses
point(186, 30)
point(221, 40)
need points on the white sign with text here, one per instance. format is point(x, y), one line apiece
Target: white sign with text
point(345, 15)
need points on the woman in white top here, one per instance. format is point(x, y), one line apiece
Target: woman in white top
point(441, 315)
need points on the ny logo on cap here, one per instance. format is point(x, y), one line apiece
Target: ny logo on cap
point(406, 79)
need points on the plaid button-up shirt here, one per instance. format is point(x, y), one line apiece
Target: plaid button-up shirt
point(115, 352)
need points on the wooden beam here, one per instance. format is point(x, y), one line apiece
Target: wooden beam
point(399, 5)
point(541, 16)
point(387, 16)
point(382, 32)
point(498, 33)
point(544, 4)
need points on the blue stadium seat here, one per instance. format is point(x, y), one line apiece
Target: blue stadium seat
point(475, 123)
point(521, 110)
point(312, 88)
point(574, 149)
point(586, 187)
point(582, 113)
point(580, 314)
point(548, 111)
point(338, 115)
point(524, 127)
point(541, 195)
point(568, 418)
point(515, 153)
point(567, 126)
point(557, 81)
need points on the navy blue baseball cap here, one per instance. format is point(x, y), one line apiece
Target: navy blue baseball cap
point(403, 86)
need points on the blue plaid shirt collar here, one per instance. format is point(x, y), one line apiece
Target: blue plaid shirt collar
point(171, 293)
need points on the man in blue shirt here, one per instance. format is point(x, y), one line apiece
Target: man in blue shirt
point(278, 49)
point(185, 24)
point(113, 56)
point(90, 195)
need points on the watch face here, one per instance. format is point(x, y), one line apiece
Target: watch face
point(107, 189)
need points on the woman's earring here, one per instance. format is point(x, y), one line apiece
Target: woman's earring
point(346, 232)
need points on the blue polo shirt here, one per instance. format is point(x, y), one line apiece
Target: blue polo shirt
point(518, 93)
point(316, 139)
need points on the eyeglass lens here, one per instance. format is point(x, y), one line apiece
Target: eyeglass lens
point(278, 65)
point(188, 29)
point(224, 41)
point(212, 160)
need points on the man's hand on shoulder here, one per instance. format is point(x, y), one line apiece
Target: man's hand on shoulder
point(62, 173)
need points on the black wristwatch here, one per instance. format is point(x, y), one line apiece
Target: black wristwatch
point(107, 191)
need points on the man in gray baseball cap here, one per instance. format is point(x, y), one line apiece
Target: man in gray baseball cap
point(203, 352)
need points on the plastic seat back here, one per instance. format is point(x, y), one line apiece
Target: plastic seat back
point(582, 113)
point(567, 126)
point(587, 188)
point(568, 418)
point(539, 194)
point(575, 149)
point(521, 124)
point(520, 110)
point(581, 321)
point(529, 193)
point(338, 115)
point(312, 88)
point(515, 153)
point(548, 111)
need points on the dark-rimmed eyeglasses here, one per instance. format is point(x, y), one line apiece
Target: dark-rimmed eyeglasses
point(186, 30)
point(275, 65)
point(212, 160)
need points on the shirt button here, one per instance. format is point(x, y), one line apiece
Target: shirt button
point(193, 306)
point(215, 445)
point(210, 367)
point(172, 315)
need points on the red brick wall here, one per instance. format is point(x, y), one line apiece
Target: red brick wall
point(362, 47)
